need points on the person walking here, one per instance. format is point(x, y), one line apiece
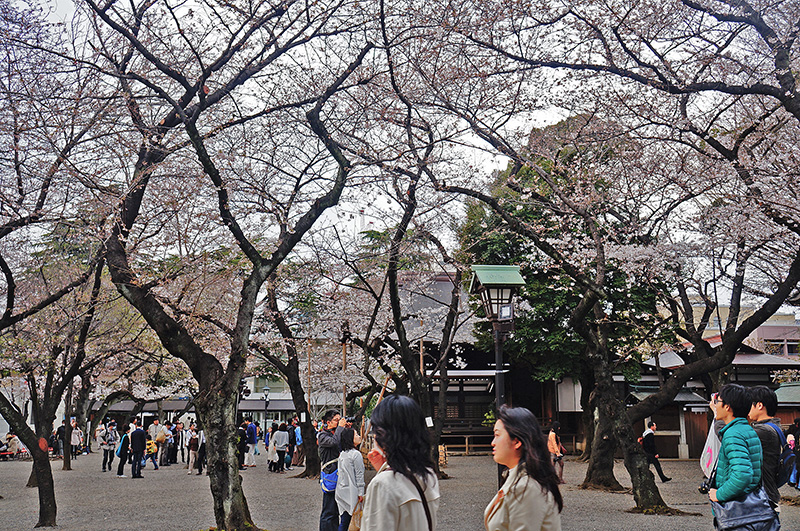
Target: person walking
point(150, 453)
point(556, 449)
point(764, 406)
point(738, 470)
point(529, 498)
point(138, 447)
point(124, 445)
point(404, 494)
point(649, 447)
point(109, 438)
point(328, 441)
point(350, 485)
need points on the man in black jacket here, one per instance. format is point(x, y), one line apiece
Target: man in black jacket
point(649, 447)
point(762, 414)
point(328, 442)
point(138, 445)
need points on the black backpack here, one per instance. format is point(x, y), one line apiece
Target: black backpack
point(786, 460)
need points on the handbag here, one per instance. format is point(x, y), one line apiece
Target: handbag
point(119, 448)
point(748, 509)
point(355, 520)
point(328, 480)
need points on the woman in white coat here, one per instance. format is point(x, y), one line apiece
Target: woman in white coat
point(404, 494)
point(529, 500)
point(350, 485)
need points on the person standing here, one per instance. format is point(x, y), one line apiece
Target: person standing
point(649, 447)
point(299, 453)
point(60, 433)
point(76, 440)
point(281, 443)
point(404, 494)
point(762, 416)
point(350, 486)
point(290, 447)
point(138, 447)
point(180, 442)
point(193, 445)
point(738, 470)
point(108, 443)
point(529, 498)
point(252, 440)
point(241, 444)
point(166, 442)
point(556, 449)
point(124, 445)
point(328, 441)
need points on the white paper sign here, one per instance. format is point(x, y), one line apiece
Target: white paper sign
point(429, 422)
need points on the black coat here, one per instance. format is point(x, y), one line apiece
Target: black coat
point(138, 440)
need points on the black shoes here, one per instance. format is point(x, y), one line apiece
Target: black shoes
point(664, 480)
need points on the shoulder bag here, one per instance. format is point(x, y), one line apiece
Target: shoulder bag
point(415, 481)
point(748, 509)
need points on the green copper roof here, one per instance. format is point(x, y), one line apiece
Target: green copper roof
point(495, 275)
point(788, 393)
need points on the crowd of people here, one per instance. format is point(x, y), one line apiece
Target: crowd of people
point(160, 444)
point(404, 494)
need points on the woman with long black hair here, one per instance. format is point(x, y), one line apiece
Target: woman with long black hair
point(529, 500)
point(404, 495)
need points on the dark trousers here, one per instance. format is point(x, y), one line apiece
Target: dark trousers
point(653, 460)
point(136, 466)
point(281, 461)
point(123, 458)
point(346, 517)
point(108, 458)
point(329, 518)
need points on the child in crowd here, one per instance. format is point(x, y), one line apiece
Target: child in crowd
point(150, 452)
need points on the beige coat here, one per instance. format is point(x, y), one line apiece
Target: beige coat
point(522, 506)
point(393, 503)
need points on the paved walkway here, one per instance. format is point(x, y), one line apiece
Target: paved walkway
point(171, 499)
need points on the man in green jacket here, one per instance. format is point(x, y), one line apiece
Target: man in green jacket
point(739, 464)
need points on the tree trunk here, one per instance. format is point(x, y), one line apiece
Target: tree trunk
point(600, 472)
point(588, 415)
point(312, 466)
point(614, 425)
point(37, 446)
point(216, 409)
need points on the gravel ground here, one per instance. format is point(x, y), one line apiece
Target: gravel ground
point(171, 499)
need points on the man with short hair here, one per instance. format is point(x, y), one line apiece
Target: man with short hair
point(649, 447)
point(163, 451)
point(738, 469)
point(328, 441)
point(138, 445)
point(764, 406)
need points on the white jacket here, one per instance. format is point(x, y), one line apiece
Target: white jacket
point(393, 502)
point(522, 506)
point(350, 484)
